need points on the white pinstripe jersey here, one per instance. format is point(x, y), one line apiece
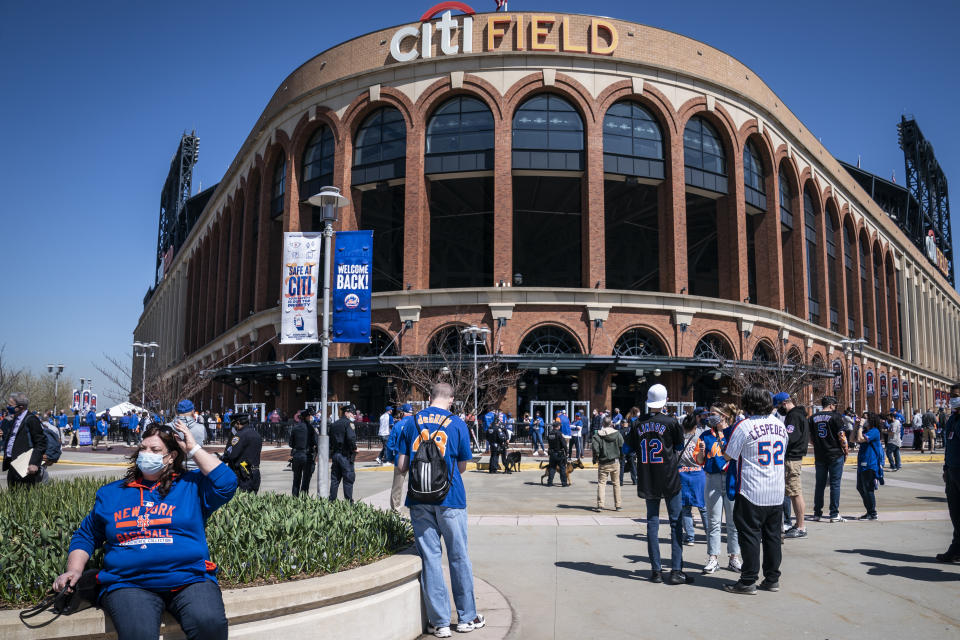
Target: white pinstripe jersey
point(758, 444)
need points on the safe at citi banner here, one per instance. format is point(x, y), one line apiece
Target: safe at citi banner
point(301, 269)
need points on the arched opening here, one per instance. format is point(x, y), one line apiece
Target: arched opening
point(379, 171)
point(894, 308)
point(791, 256)
point(633, 166)
point(812, 247)
point(755, 197)
point(549, 340)
point(317, 170)
point(449, 341)
point(849, 254)
point(275, 242)
point(763, 352)
point(458, 163)
point(832, 229)
point(638, 343)
point(547, 192)
point(712, 347)
point(705, 170)
point(878, 298)
point(865, 289)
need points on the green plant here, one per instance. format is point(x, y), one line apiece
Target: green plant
point(255, 539)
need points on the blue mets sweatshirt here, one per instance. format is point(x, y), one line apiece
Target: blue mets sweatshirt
point(151, 542)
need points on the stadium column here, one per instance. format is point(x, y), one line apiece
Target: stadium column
point(213, 235)
point(203, 295)
point(223, 275)
point(822, 284)
point(732, 233)
point(672, 215)
point(502, 200)
point(594, 247)
point(839, 274)
point(263, 243)
point(416, 217)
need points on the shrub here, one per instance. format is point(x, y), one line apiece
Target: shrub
point(255, 539)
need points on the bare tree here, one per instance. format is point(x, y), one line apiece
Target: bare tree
point(161, 390)
point(451, 360)
point(9, 377)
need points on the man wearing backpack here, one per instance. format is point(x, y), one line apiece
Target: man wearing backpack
point(438, 508)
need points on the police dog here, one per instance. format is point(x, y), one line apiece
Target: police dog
point(571, 465)
point(513, 461)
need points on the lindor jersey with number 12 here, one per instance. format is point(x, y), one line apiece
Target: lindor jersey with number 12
point(759, 443)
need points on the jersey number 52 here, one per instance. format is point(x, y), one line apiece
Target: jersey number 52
point(770, 453)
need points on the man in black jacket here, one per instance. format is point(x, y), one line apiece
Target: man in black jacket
point(243, 453)
point(829, 452)
point(303, 448)
point(558, 454)
point(25, 433)
point(343, 451)
point(798, 433)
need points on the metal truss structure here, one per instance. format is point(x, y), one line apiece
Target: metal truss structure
point(177, 188)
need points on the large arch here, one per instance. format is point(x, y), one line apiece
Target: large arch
point(815, 252)
point(640, 342)
point(764, 259)
point(549, 339)
point(791, 238)
point(835, 288)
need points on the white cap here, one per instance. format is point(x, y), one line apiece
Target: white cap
point(656, 397)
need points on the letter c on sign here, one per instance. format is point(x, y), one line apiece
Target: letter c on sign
point(400, 36)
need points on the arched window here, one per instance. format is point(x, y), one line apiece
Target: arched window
point(547, 134)
point(632, 142)
point(810, 235)
point(848, 254)
point(711, 347)
point(547, 202)
point(762, 353)
point(380, 150)
point(317, 162)
point(794, 356)
point(381, 344)
point(548, 340)
point(637, 343)
point(754, 180)
point(450, 341)
point(833, 269)
point(278, 188)
point(786, 201)
point(879, 307)
point(865, 291)
point(703, 156)
point(460, 137)
point(788, 247)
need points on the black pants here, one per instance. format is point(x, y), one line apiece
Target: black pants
point(14, 479)
point(251, 483)
point(495, 454)
point(953, 505)
point(302, 472)
point(759, 527)
point(503, 458)
point(866, 483)
point(557, 463)
point(342, 469)
point(383, 448)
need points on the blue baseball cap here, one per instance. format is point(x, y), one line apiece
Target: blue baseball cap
point(406, 407)
point(389, 409)
point(184, 406)
point(780, 398)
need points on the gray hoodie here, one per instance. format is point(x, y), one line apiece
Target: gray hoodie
point(199, 434)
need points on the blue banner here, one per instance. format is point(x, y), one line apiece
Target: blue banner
point(352, 272)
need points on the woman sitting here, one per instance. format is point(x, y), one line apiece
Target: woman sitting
point(152, 524)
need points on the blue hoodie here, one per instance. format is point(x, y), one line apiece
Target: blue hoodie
point(151, 542)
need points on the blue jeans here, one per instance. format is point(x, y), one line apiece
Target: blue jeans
point(198, 607)
point(688, 531)
point(717, 505)
point(676, 532)
point(432, 522)
point(834, 470)
point(536, 440)
point(575, 443)
point(893, 455)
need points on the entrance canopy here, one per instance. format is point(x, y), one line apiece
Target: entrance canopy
point(122, 408)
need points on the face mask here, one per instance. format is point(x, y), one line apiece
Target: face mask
point(955, 402)
point(11, 409)
point(150, 462)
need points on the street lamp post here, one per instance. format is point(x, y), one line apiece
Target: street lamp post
point(329, 200)
point(145, 348)
point(477, 336)
point(56, 370)
point(849, 346)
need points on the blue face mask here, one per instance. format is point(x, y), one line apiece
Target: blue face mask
point(150, 462)
point(11, 409)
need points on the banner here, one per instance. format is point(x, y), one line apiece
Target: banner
point(352, 271)
point(883, 385)
point(894, 388)
point(85, 401)
point(93, 402)
point(905, 385)
point(856, 379)
point(837, 375)
point(83, 436)
point(301, 270)
point(75, 406)
point(869, 378)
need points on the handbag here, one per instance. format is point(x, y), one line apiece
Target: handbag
point(68, 600)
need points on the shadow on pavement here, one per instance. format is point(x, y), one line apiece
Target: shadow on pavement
point(892, 556)
point(932, 498)
point(581, 507)
point(924, 574)
point(600, 570)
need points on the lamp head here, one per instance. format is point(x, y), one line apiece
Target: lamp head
point(328, 200)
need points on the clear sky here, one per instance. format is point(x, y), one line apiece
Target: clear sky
point(96, 94)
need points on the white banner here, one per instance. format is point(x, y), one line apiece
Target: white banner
point(301, 270)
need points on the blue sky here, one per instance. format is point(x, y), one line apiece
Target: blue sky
point(96, 95)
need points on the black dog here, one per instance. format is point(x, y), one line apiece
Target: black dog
point(513, 461)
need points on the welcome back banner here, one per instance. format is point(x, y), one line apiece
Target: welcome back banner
point(352, 272)
point(301, 267)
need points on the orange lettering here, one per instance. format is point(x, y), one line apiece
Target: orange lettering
point(440, 437)
point(537, 31)
point(596, 44)
point(567, 46)
point(494, 31)
point(519, 28)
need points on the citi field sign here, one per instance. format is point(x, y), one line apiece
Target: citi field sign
point(513, 31)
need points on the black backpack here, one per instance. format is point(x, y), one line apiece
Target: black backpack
point(429, 481)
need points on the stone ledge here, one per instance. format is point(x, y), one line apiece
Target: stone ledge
point(334, 606)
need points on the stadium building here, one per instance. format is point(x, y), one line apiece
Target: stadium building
point(616, 203)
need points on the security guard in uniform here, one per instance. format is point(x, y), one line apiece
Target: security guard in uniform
point(303, 449)
point(558, 454)
point(494, 436)
point(243, 453)
point(343, 452)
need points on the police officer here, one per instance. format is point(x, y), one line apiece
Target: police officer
point(557, 451)
point(303, 449)
point(504, 435)
point(343, 451)
point(243, 454)
point(494, 439)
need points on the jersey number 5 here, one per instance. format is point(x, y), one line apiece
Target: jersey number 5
point(821, 431)
point(770, 452)
point(650, 451)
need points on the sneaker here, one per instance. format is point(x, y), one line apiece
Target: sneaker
point(467, 627)
point(679, 577)
point(865, 516)
point(817, 518)
point(619, 508)
point(655, 577)
point(377, 461)
point(770, 585)
point(688, 543)
point(796, 533)
point(947, 558)
point(837, 519)
point(787, 527)
point(711, 566)
point(736, 564)
point(744, 589)
point(439, 632)
point(873, 516)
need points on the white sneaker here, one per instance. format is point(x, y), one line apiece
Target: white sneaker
point(787, 527)
point(712, 565)
point(736, 564)
point(378, 461)
point(838, 519)
point(439, 632)
point(467, 627)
